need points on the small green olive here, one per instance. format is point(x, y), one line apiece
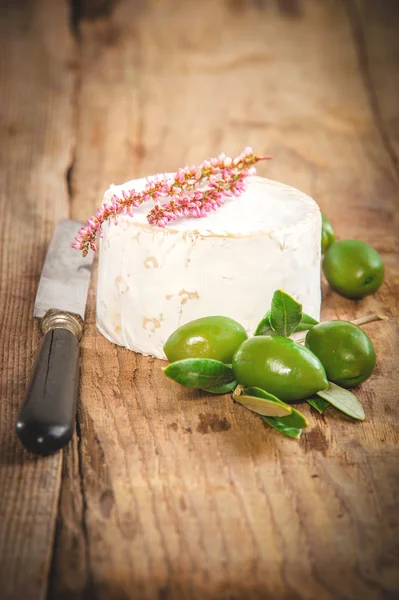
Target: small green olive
point(346, 352)
point(279, 366)
point(208, 337)
point(353, 269)
point(327, 233)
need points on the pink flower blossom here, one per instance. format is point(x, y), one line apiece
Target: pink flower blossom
point(221, 177)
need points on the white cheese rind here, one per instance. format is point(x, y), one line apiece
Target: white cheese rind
point(153, 280)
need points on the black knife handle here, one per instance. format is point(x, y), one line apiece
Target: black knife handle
point(47, 415)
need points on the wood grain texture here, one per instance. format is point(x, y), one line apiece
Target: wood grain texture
point(166, 493)
point(35, 151)
point(374, 30)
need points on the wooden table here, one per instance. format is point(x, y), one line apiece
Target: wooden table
point(166, 495)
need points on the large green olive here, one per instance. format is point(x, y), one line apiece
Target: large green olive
point(327, 233)
point(280, 366)
point(346, 352)
point(208, 337)
point(352, 268)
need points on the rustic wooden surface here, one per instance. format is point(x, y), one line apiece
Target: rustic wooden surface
point(167, 494)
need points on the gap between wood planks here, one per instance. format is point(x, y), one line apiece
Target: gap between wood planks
point(79, 10)
point(76, 14)
point(359, 41)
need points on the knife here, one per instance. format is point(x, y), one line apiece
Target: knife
point(47, 415)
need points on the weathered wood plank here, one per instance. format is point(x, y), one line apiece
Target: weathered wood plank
point(375, 34)
point(179, 495)
point(35, 151)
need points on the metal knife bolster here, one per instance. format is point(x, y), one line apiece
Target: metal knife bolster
point(60, 319)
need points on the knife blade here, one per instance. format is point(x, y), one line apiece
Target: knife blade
point(65, 277)
point(47, 416)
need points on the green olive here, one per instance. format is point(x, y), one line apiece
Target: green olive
point(346, 352)
point(279, 366)
point(352, 268)
point(208, 337)
point(327, 233)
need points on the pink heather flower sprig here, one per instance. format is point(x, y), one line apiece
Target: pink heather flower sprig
point(200, 202)
point(222, 176)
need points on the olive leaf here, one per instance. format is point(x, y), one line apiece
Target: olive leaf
point(285, 314)
point(265, 327)
point(222, 389)
point(318, 403)
point(307, 322)
point(267, 405)
point(284, 318)
point(343, 400)
point(295, 419)
point(291, 425)
point(278, 424)
point(199, 373)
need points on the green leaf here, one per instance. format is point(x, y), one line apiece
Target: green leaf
point(285, 314)
point(318, 403)
point(343, 400)
point(222, 389)
point(307, 322)
point(279, 425)
point(199, 373)
point(290, 425)
point(295, 419)
point(264, 327)
point(267, 405)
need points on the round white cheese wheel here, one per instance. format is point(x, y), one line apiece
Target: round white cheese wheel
point(152, 280)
